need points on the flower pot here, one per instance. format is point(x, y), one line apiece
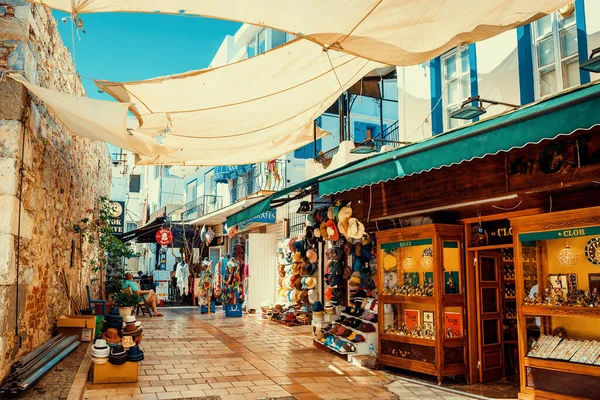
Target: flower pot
point(125, 311)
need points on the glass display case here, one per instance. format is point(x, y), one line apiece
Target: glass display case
point(558, 296)
point(421, 285)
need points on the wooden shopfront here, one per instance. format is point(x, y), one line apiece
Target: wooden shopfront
point(483, 196)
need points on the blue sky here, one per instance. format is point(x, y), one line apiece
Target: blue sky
point(126, 46)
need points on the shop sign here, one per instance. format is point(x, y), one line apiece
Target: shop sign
point(162, 291)
point(164, 237)
point(162, 259)
point(267, 217)
point(161, 275)
point(117, 217)
point(406, 243)
point(560, 234)
point(491, 233)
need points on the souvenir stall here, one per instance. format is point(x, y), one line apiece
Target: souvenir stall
point(116, 350)
point(205, 288)
point(557, 259)
point(422, 300)
point(233, 288)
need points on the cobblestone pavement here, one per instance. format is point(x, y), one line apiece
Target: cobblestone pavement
point(56, 383)
point(188, 355)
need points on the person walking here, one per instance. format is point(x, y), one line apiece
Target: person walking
point(149, 295)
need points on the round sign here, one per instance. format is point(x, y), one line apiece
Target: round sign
point(164, 236)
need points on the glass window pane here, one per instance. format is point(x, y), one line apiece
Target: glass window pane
point(452, 122)
point(568, 42)
point(452, 95)
point(464, 61)
point(562, 22)
point(262, 41)
point(465, 87)
point(489, 300)
point(251, 48)
point(490, 331)
point(543, 26)
point(489, 269)
point(545, 52)
point(450, 67)
point(570, 73)
point(547, 82)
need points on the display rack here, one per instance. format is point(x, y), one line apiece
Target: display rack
point(420, 280)
point(559, 343)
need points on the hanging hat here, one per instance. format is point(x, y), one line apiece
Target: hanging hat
point(316, 232)
point(300, 246)
point(285, 246)
point(316, 216)
point(354, 279)
point(298, 283)
point(291, 244)
point(311, 255)
point(328, 293)
point(297, 257)
point(323, 229)
point(297, 296)
point(311, 268)
point(210, 235)
point(357, 264)
point(343, 227)
point(313, 296)
point(311, 282)
point(111, 335)
point(366, 239)
point(355, 229)
point(304, 296)
point(135, 354)
point(332, 231)
point(203, 233)
point(330, 213)
point(345, 213)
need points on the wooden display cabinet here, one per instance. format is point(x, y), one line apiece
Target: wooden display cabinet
point(420, 280)
point(557, 256)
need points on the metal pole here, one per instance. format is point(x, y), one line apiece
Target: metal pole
point(315, 138)
point(341, 116)
point(381, 108)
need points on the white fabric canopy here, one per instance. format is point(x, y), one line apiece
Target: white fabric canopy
point(94, 119)
point(395, 32)
point(253, 110)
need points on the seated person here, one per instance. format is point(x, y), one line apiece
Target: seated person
point(149, 298)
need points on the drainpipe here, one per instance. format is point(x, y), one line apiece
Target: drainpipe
point(381, 108)
point(18, 261)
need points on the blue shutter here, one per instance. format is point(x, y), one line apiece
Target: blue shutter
point(582, 43)
point(525, 56)
point(435, 81)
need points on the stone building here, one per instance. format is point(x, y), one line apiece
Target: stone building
point(48, 174)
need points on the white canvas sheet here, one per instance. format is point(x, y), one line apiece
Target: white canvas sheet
point(395, 32)
point(93, 119)
point(253, 110)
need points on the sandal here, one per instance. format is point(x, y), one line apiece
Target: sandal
point(159, 315)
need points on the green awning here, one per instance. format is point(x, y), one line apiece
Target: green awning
point(249, 212)
point(559, 115)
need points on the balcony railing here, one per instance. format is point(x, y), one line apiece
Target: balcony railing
point(389, 137)
point(201, 206)
point(266, 176)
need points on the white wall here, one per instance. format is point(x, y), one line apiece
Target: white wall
point(414, 102)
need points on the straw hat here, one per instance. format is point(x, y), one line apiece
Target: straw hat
point(310, 282)
point(355, 229)
point(313, 296)
point(127, 342)
point(345, 213)
point(316, 231)
point(323, 230)
point(343, 227)
point(311, 255)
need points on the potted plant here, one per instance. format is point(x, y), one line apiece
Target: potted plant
point(125, 302)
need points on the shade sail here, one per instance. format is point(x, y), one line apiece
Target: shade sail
point(253, 110)
point(395, 32)
point(560, 115)
point(93, 119)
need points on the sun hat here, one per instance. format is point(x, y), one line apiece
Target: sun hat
point(343, 228)
point(111, 336)
point(135, 354)
point(345, 213)
point(313, 296)
point(316, 232)
point(127, 342)
point(304, 297)
point(310, 282)
point(311, 255)
point(311, 268)
point(323, 229)
point(355, 229)
point(300, 246)
point(332, 231)
point(297, 257)
point(366, 239)
point(285, 246)
point(130, 319)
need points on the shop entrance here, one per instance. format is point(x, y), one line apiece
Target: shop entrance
point(491, 299)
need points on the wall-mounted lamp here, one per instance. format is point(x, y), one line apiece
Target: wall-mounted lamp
point(593, 64)
point(469, 111)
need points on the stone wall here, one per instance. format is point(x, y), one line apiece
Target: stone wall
point(62, 176)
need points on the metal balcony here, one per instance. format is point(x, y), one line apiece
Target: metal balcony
point(263, 177)
point(201, 206)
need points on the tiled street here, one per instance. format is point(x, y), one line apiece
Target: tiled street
point(189, 355)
